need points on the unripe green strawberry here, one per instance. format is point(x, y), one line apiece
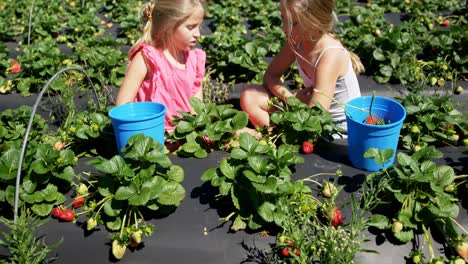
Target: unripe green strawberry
point(417, 148)
point(415, 129)
point(82, 189)
point(450, 188)
point(91, 223)
point(458, 90)
point(118, 249)
point(282, 239)
point(455, 138)
point(136, 236)
point(416, 259)
point(465, 142)
point(397, 227)
point(462, 249)
point(328, 189)
point(459, 261)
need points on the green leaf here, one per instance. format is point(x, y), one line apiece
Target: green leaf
point(184, 127)
point(379, 221)
point(268, 187)
point(197, 105)
point(239, 121)
point(225, 188)
point(209, 174)
point(379, 156)
point(378, 54)
point(235, 200)
point(125, 192)
point(248, 142)
point(279, 218)
point(257, 163)
point(200, 153)
point(404, 236)
point(141, 198)
point(238, 224)
point(267, 211)
point(172, 194)
point(176, 173)
point(42, 209)
point(226, 169)
point(254, 177)
point(68, 174)
point(443, 176)
point(238, 153)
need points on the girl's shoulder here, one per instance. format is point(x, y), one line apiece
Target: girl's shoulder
point(149, 51)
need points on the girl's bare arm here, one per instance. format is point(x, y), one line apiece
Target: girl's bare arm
point(280, 64)
point(136, 73)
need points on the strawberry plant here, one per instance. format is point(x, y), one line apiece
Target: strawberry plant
point(21, 241)
point(313, 229)
point(295, 123)
point(143, 180)
point(432, 121)
point(419, 193)
point(252, 180)
point(13, 124)
point(86, 131)
point(211, 127)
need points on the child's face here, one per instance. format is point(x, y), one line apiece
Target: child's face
point(186, 35)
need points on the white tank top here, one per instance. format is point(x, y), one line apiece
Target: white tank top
point(347, 87)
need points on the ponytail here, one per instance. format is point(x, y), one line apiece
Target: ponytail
point(146, 17)
point(358, 67)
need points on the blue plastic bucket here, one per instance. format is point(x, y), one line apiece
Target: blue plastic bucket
point(135, 118)
point(362, 136)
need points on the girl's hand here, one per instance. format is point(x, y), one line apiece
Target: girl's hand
point(304, 95)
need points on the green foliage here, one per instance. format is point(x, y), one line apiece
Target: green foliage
point(144, 179)
point(253, 178)
point(295, 122)
point(21, 242)
point(46, 172)
point(432, 121)
point(211, 127)
point(418, 193)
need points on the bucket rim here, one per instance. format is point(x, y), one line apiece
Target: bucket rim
point(132, 104)
point(348, 117)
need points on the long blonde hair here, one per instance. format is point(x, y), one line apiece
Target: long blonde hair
point(315, 16)
point(161, 18)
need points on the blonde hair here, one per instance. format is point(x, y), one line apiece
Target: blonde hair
point(161, 18)
point(315, 16)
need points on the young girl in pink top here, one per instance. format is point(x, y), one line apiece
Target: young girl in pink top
point(163, 66)
point(326, 67)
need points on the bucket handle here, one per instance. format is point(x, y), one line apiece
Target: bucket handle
point(343, 105)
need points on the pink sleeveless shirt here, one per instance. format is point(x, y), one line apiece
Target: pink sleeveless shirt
point(168, 84)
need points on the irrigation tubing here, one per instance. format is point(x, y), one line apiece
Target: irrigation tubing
point(30, 22)
point(31, 119)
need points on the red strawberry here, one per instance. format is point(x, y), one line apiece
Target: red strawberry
point(337, 219)
point(372, 120)
point(207, 140)
point(307, 147)
point(462, 249)
point(297, 252)
point(285, 252)
point(15, 67)
point(59, 145)
point(446, 22)
point(67, 215)
point(57, 212)
point(78, 202)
